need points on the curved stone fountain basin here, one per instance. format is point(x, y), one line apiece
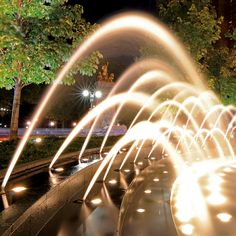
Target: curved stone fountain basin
point(60, 209)
point(62, 195)
point(145, 208)
point(38, 181)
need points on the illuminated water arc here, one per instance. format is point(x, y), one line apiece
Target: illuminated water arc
point(226, 109)
point(202, 105)
point(135, 98)
point(231, 132)
point(219, 131)
point(177, 130)
point(149, 133)
point(196, 101)
point(124, 21)
point(132, 135)
point(107, 196)
point(230, 126)
point(149, 76)
point(218, 107)
point(185, 103)
point(163, 124)
point(180, 95)
point(115, 149)
point(21, 146)
point(217, 143)
point(151, 65)
point(178, 105)
point(159, 92)
point(147, 25)
point(202, 152)
point(139, 68)
point(166, 88)
point(128, 154)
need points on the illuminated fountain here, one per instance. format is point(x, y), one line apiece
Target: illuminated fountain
point(173, 111)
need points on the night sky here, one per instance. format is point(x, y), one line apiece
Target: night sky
point(95, 11)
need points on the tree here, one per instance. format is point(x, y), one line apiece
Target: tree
point(196, 23)
point(36, 39)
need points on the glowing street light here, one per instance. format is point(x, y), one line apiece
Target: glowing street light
point(92, 95)
point(98, 94)
point(28, 123)
point(85, 93)
point(38, 140)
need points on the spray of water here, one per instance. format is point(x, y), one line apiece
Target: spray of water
point(179, 115)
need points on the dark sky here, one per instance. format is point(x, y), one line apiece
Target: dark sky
point(96, 10)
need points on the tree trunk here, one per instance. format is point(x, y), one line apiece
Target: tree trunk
point(15, 111)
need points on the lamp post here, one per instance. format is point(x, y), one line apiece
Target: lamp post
point(92, 95)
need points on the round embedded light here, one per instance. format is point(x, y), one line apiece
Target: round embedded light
point(140, 210)
point(96, 201)
point(19, 189)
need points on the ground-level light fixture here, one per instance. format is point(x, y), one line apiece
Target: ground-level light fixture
point(148, 191)
point(19, 189)
point(112, 181)
point(187, 229)
point(96, 201)
point(140, 210)
point(224, 217)
point(156, 180)
point(59, 169)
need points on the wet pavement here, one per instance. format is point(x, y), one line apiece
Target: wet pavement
point(36, 186)
point(146, 205)
point(100, 215)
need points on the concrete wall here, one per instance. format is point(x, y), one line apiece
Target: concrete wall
point(33, 219)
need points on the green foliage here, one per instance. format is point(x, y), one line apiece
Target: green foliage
point(197, 25)
point(47, 148)
point(227, 90)
point(37, 37)
point(195, 22)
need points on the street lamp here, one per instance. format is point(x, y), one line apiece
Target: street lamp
point(92, 95)
point(98, 94)
point(85, 93)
